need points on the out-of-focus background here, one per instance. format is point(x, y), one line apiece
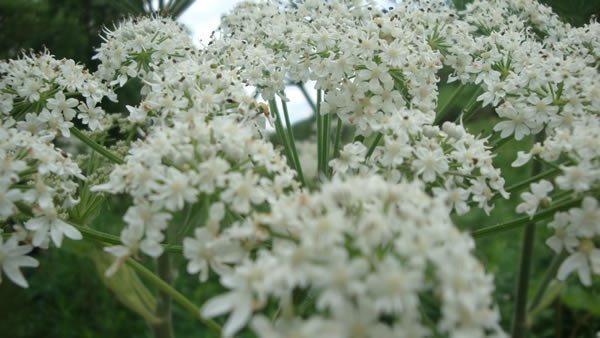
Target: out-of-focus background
point(67, 295)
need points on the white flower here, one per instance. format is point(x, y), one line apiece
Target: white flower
point(538, 196)
point(585, 260)
point(564, 233)
point(177, 189)
point(350, 157)
point(61, 105)
point(50, 225)
point(429, 163)
point(206, 249)
point(587, 218)
point(12, 258)
point(522, 159)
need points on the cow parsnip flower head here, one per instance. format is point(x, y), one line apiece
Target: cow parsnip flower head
point(368, 63)
point(454, 163)
point(361, 256)
point(137, 47)
point(38, 185)
point(216, 165)
point(45, 95)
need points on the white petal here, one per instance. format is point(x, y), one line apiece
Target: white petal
point(14, 274)
point(569, 265)
point(219, 305)
point(70, 231)
point(239, 317)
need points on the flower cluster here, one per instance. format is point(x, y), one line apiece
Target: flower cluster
point(44, 95)
point(456, 164)
point(38, 184)
point(360, 257)
point(369, 64)
point(576, 152)
point(139, 47)
point(216, 165)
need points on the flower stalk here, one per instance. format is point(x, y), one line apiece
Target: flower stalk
point(96, 147)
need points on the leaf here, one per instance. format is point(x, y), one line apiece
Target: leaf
point(127, 287)
point(583, 298)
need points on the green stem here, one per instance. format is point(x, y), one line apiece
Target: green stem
point(519, 322)
point(292, 141)
point(281, 133)
point(338, 137)
point(319, 133)
point(164, 328)
point(175, 295)
point(443, 108)
point(96, 147)
point(106, 238)
point(374, 145)
point(525, 183)
point(471, 106)
point(326, 141)
point(516, 223)
point(548, 277)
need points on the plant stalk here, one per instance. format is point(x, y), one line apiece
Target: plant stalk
point(96, 147)
point(177, 297)
point(519, 322)
point(292, 141)
point(164, 328)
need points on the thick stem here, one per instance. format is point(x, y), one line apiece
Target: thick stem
point(177, 297)
point(519, 322)
point(164, 328)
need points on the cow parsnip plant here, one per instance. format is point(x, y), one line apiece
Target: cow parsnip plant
point(346, 236)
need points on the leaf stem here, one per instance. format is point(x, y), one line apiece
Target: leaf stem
point(519, 322)
point(281, 133)
point(96, 147)
point(107, 238)
point(373, 145)
point(516, 223)
point(292, 142)
point(319, 133)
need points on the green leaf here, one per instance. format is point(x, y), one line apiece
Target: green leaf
point(579, 297)
point(126, 286)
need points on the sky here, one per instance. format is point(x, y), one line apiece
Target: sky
point(204, 16)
